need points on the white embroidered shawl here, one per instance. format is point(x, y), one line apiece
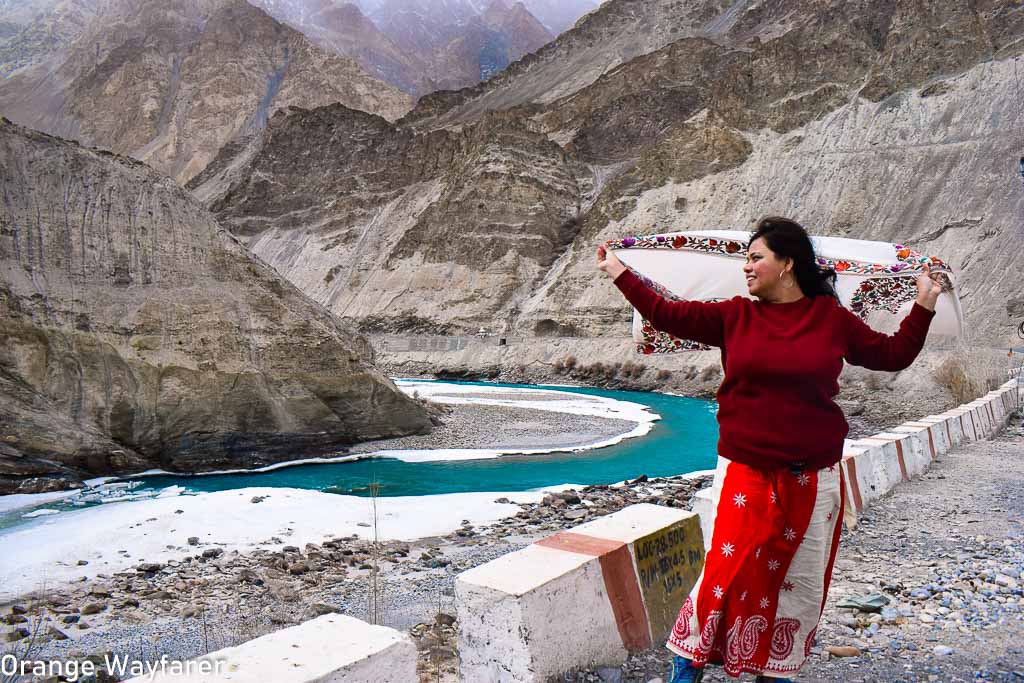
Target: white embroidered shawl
point(876, 280)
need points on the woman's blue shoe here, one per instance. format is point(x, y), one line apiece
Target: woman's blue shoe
point(683, 671)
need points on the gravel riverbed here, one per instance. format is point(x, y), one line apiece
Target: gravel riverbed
point(506, 428)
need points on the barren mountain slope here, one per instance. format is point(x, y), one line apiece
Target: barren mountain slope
point(170, 82)
point(30, 29)
point(560, 15)
point(136, 333)
point(869, 130)
point(343, 29)
point(419, 45)
point(394, 225)
point(602, 40)
point(523, 32)
point(872, 119)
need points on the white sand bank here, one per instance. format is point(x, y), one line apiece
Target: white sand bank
point(46, 551)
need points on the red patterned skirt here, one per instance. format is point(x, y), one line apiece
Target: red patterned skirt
point(756, 606)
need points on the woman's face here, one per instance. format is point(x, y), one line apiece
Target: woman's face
point(763, 270)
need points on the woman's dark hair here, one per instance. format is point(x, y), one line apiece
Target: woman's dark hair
point(788, 239)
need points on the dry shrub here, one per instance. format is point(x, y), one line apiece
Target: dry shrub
point(709, 373)
point(873, 381)
point(969, 374)
point(632, 370)
point(569, 362)
point(952, 377)
point(663, 375)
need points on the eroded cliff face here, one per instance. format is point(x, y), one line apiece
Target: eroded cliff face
point(560, 15)
point(136, 333)
point(170, 82)
point(614, 34)
point(443, 231)
point(421, 45)
point(342, 28)
point(888, 122)
point(877, 120)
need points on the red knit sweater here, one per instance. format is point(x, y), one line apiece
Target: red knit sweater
point(782, 364)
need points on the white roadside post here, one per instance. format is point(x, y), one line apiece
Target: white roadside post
point(332, 648)
point(581, 598)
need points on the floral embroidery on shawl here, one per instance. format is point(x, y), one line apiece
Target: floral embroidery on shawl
point(877, 293)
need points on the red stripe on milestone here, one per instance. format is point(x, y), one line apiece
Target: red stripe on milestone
point(580, 543)
point(627, 602)
point(974, 425)
point(931, 442)
point(620, 582)
point(949, 434)
point(899, 453)
point(899, 456)
point(851, 467)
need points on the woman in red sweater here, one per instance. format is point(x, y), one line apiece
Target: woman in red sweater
point(778, 494)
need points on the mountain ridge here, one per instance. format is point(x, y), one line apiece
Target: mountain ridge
point(421, 45)
point(690, 114)
point(172, 82)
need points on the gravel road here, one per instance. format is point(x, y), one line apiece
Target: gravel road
point(947, 549)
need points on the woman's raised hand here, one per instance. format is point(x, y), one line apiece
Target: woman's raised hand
point(928, 289)
point(608, 262)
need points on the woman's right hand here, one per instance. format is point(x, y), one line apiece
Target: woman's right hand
point(608, 262)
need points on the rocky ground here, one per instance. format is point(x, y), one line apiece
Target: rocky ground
point(213, 600)
point(504, 428)
point(947, 551)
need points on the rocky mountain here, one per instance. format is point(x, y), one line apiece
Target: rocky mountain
point(879, 120)
point(169, 82)
point(496, 194)
point(601, 41)
point(522, 33)
point(342, 28)
point(17, 14)
point(30, 30)
point(136, 333)
point(419, 45)
point(558, 16)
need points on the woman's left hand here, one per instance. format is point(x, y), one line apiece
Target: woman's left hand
point(928, 289)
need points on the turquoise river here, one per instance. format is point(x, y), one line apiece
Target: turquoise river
point(682, 441)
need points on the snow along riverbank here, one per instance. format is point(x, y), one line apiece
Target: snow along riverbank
point(57, 545)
